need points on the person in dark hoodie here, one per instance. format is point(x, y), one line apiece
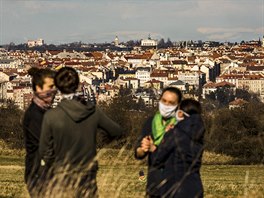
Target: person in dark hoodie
point(68, 139)
point(44, 93)
point(184, 144)
point(154, 130)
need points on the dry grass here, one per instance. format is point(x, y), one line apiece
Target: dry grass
point(118, 175)
point(7, 151)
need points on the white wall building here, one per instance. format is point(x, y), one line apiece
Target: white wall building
point(192, 78)
point(149, 43)
point(33, 43)
point(143, 74)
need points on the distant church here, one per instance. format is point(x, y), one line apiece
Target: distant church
point(116, 41)
point(149, 43)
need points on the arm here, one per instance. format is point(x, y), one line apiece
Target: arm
point(144, 148)
point(108, 125)
point(143, 143)
point(46, 149)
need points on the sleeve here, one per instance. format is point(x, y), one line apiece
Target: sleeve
point(112, 128)
point(46, 149)
point(164, 149)
point(146, 130)
point(31, 130)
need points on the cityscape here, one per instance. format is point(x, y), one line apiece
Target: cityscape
point(145, 66)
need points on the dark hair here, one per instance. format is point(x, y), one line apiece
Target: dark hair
point(67, 80)
point(39, 75)
point(190, 106)
point(174, 90)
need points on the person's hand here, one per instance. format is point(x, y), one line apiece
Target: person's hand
point(145, 143)
point(169, 127)
point(152, 146)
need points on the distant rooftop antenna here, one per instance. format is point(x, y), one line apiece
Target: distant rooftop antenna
point(149, 36)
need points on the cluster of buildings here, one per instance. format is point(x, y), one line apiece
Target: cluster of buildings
point(145, 69)
point(34, 43)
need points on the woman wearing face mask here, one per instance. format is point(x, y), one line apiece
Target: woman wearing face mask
point(43, 94)
point(183, 144)
point(153, 131)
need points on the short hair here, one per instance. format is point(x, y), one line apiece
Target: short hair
point(190, 106)
point(174, 90)
point(39, 75)
point(67, 80)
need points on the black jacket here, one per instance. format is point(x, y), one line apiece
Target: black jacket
point(32, 127)
point(156, 178)
point(185, 144)
point(68, 135)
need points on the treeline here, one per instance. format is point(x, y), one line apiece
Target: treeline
point(237, 132)
point(11, 126)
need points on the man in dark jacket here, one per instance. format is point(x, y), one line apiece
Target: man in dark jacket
point(68, 138)
point(184, 144)
point(43, 88)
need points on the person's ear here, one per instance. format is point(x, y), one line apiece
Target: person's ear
point(180, 114)
point(38, 88)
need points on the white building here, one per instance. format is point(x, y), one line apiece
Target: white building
point(149, 43)
point(19, 96)
point(143, 74)
point(116, 41)
point(33, 43)
point(192, 78)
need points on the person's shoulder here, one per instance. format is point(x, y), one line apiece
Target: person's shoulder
point(31, 110)
point(149, 120)
point(53, 112)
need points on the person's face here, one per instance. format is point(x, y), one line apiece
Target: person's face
point(48, 84)
point(169, 98)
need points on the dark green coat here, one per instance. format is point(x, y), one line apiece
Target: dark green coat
point(68, 135)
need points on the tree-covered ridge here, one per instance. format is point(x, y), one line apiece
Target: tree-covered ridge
point(238, 132)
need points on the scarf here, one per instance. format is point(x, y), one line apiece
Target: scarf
point(158, 128)
point(44, 99)
point(75, 96)
point(72, 95)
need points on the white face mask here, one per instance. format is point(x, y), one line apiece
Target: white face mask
point(178, 118)
point(167, 111)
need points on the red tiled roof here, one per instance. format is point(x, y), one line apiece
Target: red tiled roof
point(158, 75)
point(165, 62)
point(180, 62)
point(97, 55)
point(224, 83)
point(54, 52)
point(238, 102)
point(153, 81)
point(220, 84)
point(146, 56)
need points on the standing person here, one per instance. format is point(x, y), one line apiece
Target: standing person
point(43, 95)
point(184, 144)
point(154, 130)
point(68, 139)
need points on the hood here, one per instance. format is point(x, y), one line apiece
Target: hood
point(193, 126)
point(76, 110)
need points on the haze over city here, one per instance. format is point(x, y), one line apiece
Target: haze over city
point(90, 21)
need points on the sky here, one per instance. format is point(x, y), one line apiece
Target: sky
point(99, 21)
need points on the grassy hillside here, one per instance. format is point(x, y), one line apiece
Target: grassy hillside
point(118, 176)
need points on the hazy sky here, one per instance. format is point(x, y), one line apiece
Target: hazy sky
point(89, 21)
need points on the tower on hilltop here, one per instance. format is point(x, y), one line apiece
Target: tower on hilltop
point(116, 41)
